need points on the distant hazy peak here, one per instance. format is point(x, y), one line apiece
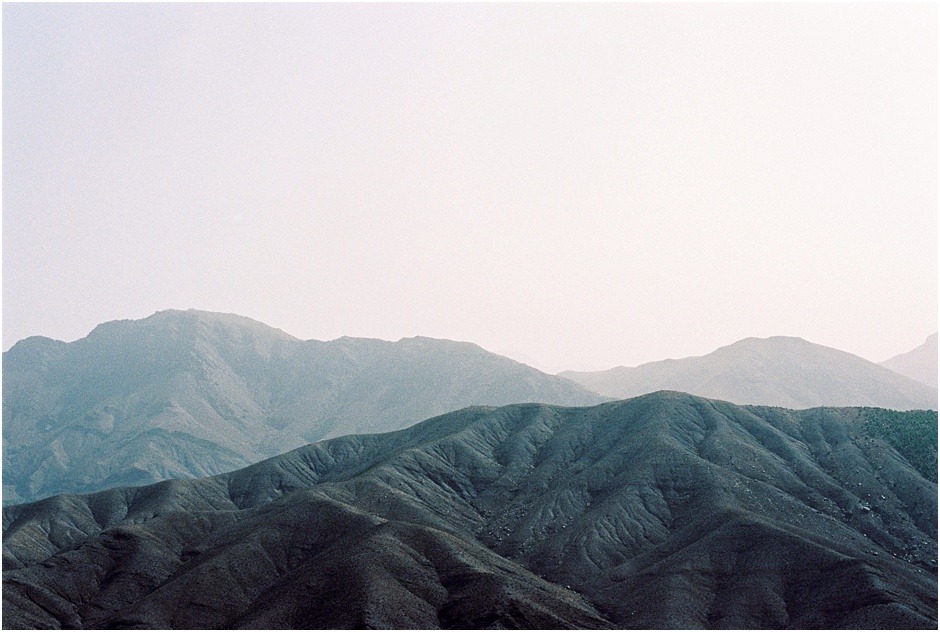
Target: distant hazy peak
point(751, 343)
point(780, 370)
point(930, 342)
point(187, 393)
point(33, 346)
point(414, 341)
point(38, 342)
point(217, 318)
point(772, 339)
point(918, 364)
point(774, 342)
point(427, 339)
point(416, 344)
point(174, 318)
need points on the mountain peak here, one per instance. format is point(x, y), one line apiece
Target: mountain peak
point(34, 342)
point(918, 364)
point(186, 393)
point(216, 319)
point(187, 324)
point(777, 371)
point(778, 341)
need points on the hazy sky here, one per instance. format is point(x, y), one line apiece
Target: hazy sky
point(573, 186)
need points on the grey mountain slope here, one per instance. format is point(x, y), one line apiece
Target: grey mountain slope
point(189, 393)
point(918, 364)
point(777, 371)
point(665, 511)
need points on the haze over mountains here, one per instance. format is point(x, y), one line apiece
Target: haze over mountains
point(918, 364)
point(190, 393)
point(664, 511)
point(777, 371)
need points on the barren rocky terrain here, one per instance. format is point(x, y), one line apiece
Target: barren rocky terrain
point(663, 511)
point(183, 394)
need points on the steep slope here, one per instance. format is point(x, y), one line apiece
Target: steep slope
point(183, 394)
point(665, 511)
point(918, 364)
point(777, 371)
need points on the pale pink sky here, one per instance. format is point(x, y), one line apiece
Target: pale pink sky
point(574, 186)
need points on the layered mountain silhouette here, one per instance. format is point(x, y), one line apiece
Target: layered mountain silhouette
point(777, 371)
point(918, 364)
point(663, 511)
point(190, 393)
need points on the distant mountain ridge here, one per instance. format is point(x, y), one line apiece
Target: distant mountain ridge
point(918, 364)
point(777, 371)
point(191, 393)
point(666, 511)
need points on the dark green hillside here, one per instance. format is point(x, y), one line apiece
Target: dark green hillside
point(913, 434)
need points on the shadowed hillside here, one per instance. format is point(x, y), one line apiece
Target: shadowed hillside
point(184, 394)
point(777, 371)
point(664, 511)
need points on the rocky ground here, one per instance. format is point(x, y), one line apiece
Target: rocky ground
point(664, 511)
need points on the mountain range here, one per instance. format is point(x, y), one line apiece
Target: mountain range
point(184, 394)
point(662, 511)
point(918, 364)
point(777, 371)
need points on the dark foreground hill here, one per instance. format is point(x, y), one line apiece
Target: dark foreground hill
point(188, 394)
point(664, 511)
point(918, 364)
point(776, 371)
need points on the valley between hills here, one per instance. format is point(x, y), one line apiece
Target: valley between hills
point(195, 470)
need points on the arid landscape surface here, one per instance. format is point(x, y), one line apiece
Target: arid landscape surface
point(663, 511)
point(470, 315)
